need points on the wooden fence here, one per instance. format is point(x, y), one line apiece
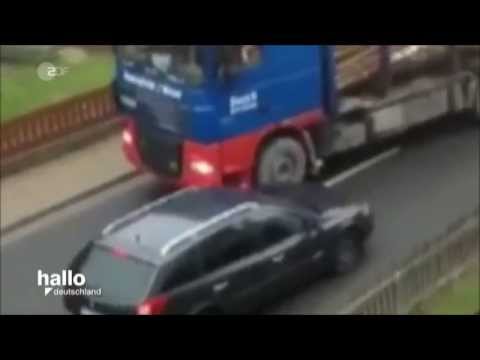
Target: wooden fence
point(50, 123)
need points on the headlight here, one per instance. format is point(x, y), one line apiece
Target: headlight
point(202, 167)
point(127, 137)
point(128, 101)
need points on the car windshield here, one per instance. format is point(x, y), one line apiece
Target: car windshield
point(177, 63)
point(124, 281)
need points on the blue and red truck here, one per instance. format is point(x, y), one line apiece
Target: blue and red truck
point(244, 115)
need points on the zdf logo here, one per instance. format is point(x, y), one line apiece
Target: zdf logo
point(47, 71)
point(65, 278)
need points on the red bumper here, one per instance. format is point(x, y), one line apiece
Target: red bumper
point(130, 145)
point(229, 163)
point(200, 163)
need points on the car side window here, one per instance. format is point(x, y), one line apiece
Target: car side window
point(182, 274)
point(280, 228)
point(227, 246)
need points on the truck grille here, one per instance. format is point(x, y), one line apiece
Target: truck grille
point(160, 129)
point(162, 152)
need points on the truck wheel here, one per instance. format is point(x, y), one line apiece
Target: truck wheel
point(283, 161)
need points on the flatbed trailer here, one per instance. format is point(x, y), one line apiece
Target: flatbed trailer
point(365, 120)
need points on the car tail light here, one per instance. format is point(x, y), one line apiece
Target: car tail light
point(153, 306)
point(127, 137)
point(119, 253)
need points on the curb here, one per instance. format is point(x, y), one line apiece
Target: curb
point(65, 203)
point(60, 147)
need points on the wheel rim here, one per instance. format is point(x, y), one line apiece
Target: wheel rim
point(284, 170)
point(282, 162)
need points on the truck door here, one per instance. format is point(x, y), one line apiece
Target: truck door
point(260, 86)
point(245, 103)
point(264, 84)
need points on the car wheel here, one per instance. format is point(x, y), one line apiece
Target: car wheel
point(283, 161)
point(347, 254)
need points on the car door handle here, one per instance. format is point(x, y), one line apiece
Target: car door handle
point(278, 259)
point(220, 286)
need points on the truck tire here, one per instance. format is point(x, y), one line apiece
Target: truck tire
point(283, 161)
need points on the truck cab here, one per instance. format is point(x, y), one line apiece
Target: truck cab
point(199, 115)
point(248, 115)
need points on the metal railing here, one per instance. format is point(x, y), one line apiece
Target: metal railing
point(430, 268)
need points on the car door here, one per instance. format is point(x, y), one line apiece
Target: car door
point(296, 245)
point(313, 250)
point(234, 270)
point(312, 254)
point(283, 238)
point(279, 262)
point(183, 285)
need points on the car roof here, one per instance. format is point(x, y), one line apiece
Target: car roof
point(145, 235)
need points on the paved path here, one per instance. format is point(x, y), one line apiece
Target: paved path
point(39, 188)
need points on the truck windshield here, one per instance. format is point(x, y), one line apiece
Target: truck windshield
point(177, 63)
point(236, 58)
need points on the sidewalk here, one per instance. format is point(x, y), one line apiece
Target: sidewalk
point(38, 189)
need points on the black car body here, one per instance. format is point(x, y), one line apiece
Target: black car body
point(218, 251)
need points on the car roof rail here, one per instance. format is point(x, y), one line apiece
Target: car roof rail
point(214, 220)
point(144, 209)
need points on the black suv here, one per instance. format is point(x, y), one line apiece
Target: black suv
point(219, 251)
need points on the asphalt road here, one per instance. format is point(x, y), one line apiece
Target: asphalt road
point(416, 194)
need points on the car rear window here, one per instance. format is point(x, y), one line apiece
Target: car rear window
point(124, 281)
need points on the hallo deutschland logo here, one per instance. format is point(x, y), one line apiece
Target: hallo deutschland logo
point(65, 283)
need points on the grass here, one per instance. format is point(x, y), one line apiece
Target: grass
point(459, 298)
point(22, 91)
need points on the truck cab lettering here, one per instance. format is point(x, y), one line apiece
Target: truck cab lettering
point(139, 81)
point(171, 92)
point(243, 103)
